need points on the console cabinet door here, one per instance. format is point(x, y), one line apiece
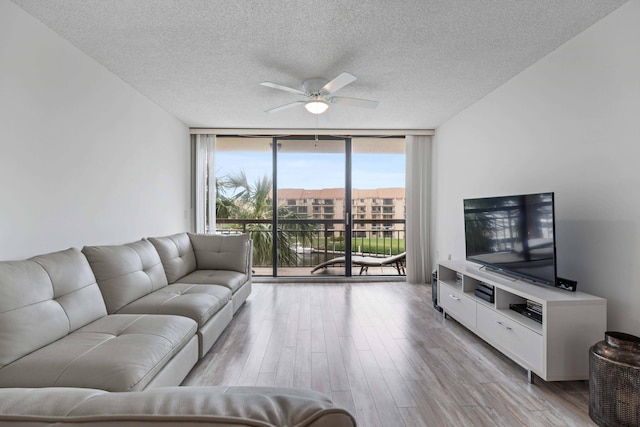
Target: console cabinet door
point(458, 305)
point(520, 341)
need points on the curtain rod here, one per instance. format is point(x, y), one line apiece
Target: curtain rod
point(280, 132)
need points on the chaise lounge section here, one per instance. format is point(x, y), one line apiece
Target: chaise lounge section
point(55, 331)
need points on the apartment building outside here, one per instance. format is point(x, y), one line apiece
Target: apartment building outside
point(328, 204)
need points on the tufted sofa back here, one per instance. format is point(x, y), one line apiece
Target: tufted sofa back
point(126, 272)
point(177, 255)
point(43, 299)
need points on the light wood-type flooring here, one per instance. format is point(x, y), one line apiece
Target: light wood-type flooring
point(381, 351)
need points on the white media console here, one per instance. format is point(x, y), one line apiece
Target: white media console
point(555, 350)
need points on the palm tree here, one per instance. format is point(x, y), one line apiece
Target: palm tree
point(237, 198)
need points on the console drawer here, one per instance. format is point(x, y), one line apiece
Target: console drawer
point(511, 336)
point(458, 305)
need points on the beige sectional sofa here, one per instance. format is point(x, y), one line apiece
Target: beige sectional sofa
point(127, 318)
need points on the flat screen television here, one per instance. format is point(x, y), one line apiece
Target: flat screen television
point(514, 235)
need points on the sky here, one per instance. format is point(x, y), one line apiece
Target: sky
point(317, 171)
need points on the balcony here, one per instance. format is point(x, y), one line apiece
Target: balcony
point(310, 242)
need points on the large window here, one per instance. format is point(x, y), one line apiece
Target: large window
point(334, 198)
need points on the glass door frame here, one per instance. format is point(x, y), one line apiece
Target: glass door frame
point(348, 203)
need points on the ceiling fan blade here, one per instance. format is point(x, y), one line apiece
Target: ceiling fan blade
point(339, 82)
point(354, 102)
point(284, 107)
point(285, 88)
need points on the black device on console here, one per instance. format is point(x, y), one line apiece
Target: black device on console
point(485, 296)
point(566, 284)
point(527, 311)
point(485, 292)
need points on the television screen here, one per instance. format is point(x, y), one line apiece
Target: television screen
point(513, 234)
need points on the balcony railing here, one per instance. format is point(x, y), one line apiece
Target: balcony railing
point(314, 241)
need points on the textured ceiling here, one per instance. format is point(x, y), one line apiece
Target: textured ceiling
point(423, 60)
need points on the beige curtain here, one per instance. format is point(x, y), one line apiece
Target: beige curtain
point(418, 208)
point(205, 184)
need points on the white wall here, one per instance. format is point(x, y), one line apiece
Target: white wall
point(84, 158)
point(567, 124)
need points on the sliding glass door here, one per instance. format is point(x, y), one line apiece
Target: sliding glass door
point(378, 199)
point(313, 206)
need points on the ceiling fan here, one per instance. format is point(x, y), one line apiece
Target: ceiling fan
point(318, 94)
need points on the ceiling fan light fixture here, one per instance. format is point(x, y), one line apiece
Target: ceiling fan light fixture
point(316, 106)
point(318, 94)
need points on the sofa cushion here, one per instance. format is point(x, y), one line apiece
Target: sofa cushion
point(221, 252)
point(184, 406)
point(176, 254)
point(229, 279)
point(43, 299)
point(119, 352)
point(126, 272)
point(197, 302)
